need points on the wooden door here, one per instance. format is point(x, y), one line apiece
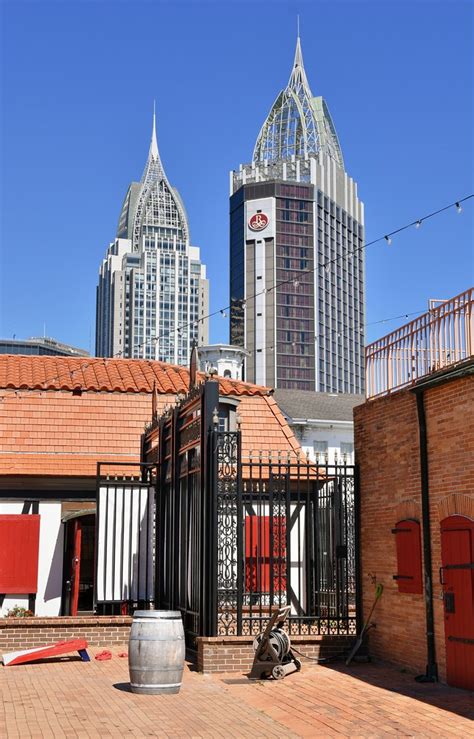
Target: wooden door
point(75, 565)
point(261, 561)
point(457, 572)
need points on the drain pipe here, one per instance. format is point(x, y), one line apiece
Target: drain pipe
point(431, 675)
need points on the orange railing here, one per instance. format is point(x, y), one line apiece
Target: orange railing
point(441, 337)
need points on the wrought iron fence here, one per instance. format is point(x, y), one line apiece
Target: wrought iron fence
point(286, 534)
point(237, 537)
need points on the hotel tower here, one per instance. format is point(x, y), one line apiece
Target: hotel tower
point(296, 267)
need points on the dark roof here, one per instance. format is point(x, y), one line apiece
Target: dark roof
point(305, 404)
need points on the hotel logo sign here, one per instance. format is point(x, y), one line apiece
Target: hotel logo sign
point(258, 222)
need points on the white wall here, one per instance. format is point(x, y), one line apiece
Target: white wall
point(333, 434)
point(50, 564)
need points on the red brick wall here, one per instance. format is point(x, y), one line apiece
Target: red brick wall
point(99, 631)
point(387, 450)
point(235, 653)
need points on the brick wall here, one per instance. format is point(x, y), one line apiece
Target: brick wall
point(99, 631)
point(387, 450)
point(235, 653)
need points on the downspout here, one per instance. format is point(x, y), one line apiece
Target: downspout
point(431, 674)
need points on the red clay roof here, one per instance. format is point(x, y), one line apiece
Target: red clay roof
point(104, 375)
point(48, 431)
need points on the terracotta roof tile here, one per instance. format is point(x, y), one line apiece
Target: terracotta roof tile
point(104, 375)
point(48, 431)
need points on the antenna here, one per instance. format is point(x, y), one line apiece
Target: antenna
point(298, 25)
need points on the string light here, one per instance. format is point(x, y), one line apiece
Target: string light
point(418, 224)
point(223, 314)
point(327, 267)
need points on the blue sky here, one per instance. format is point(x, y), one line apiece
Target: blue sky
point(78, 84)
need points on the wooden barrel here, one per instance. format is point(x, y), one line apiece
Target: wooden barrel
point(156, 652)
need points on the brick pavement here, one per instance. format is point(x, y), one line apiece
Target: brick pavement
point(76, 699)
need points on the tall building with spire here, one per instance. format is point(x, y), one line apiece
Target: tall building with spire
point(296, 263)
point(152, 296)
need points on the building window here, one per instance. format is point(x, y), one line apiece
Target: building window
point(320, 447)
point(227, 415)
point(408, 545)
point(347, 448)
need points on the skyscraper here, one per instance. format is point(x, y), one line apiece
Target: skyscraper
point(296, 279)
point(152, 296)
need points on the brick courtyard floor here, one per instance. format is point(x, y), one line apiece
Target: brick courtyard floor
point(77, 699)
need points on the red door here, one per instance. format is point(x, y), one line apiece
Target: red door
point(75, 565)
point(260, 562)
point(457, 553)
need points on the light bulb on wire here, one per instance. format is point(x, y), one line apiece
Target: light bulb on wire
point(459, 207)
point(388, 240)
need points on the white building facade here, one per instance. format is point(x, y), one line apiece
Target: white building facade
point(153, 295)
point(296, 251)
point(322, 422)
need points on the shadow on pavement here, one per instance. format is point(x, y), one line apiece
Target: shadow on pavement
point(389, 677)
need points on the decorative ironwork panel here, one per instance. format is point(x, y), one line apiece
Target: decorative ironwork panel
point(228, 532)
point(297, 524)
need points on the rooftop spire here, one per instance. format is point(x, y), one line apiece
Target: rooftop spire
point(298, 125)
point(154, 143)
point(298, 71)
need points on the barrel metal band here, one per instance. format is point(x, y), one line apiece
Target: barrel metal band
point(155, 685)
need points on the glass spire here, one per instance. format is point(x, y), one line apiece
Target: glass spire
point(157, 205)
point(298, 125)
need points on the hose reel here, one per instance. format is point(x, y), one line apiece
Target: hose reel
point(273, 655)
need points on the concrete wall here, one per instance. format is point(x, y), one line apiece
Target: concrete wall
point(387, 449)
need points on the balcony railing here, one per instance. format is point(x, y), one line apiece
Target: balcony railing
point(441, 337)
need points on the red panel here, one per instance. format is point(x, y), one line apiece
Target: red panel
point(31, 655)
point(76, 566)
point(19, 547)
point(457, 552)
point(257, 553)
point(409, 574)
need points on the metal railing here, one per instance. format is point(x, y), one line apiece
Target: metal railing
point(441, 337)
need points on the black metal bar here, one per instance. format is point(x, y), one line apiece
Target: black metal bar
point(461, 639)
point(431, 667)
point(106, 507)
point(131, 568)
point(122, 540)
point(288, 552)
point(240, 535)
point(358, 564)
point(96, 540)
point(114, 543)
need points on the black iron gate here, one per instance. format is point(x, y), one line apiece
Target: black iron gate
point(237, 537)
point(286, 535)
